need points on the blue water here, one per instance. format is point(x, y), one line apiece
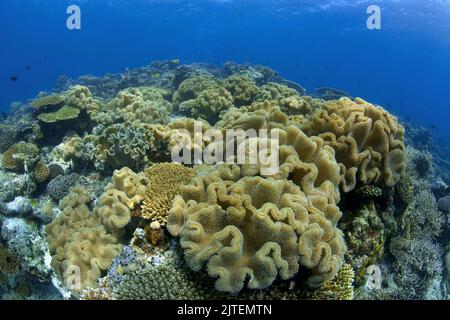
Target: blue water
point(404, 66)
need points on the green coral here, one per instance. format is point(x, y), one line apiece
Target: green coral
point(64, 113)
point(120, 145)
point(49, 100)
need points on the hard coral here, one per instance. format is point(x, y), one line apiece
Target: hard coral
point(49, 100)
point(165, 182)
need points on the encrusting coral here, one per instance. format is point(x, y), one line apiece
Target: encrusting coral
point(165, 182)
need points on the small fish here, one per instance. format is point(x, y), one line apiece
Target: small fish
point(28, 67)
point(13, 78)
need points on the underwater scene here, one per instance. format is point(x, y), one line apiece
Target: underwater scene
point(224, 150)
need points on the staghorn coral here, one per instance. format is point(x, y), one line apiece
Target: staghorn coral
point(122, 195)
point(78, 238)
point(368, 141)
point(255, 228)
point(21, 156)
point(165, 182)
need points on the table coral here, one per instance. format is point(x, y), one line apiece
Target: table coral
point(48, 100)
point(165, 182)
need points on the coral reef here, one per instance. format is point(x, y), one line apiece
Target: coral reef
point(92, 205)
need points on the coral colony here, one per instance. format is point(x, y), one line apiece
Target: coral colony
point(175, 181)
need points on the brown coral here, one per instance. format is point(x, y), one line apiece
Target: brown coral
point(41, 172)
point(165, 182)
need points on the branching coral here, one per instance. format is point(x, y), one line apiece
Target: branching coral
point(339, 288)
point(165, 182)
point(368, 141)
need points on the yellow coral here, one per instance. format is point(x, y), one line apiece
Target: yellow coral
point(123, 194)
point(368, 141)
point(165, 182)
point(77, 238)
point(255, 228)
